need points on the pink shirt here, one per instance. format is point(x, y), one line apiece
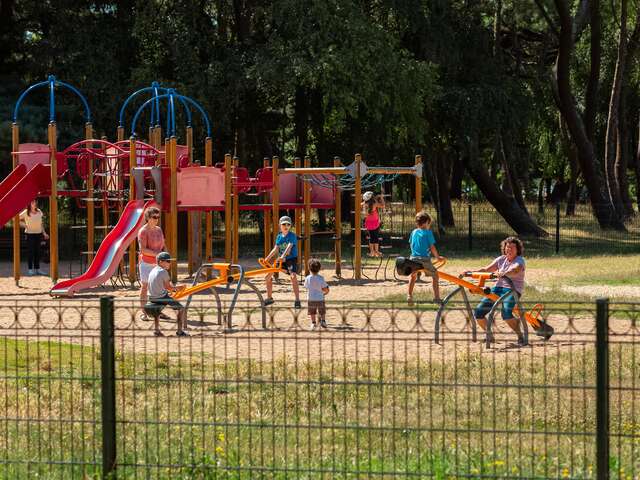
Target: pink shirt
point(502, 264)
point(152, 239)
point(372, 220)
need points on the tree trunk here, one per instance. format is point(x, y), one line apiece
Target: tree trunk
point(602, 207)
point(570, 152)
point(457, 175)
point(611, 150)
point(512, 161)
point(444, 191)
point(541, 197)
point(301, 121)
point(506, 206)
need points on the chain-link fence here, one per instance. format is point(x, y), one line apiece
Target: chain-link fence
point(88, 390)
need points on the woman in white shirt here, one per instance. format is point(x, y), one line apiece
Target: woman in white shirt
point(31, 220)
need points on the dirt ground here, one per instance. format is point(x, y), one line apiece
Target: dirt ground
point(357, 330)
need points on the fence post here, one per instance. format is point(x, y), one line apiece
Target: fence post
point(470, 210)
point(602, 388)
point(108, 387)
point(558, 227)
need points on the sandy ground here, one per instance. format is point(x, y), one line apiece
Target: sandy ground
point(356, 330)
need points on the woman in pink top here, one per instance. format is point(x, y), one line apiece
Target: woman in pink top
point(510, 265)
point(150, 243)
point(372, 221)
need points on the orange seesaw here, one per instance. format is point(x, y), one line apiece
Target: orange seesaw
point(533, 317)
point(227, 274)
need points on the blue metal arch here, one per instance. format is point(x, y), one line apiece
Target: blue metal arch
point(158, 93)
point(171, 120)
point(52, 83)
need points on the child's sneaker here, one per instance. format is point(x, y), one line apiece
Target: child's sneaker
point(297, 304)
point(30, 273)
point(268, 301)
point(323, 323)
point(313, 326)
point(182, 333)
point(410, 300)
point(40, 272)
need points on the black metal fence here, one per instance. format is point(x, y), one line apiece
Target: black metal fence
point(87, 390)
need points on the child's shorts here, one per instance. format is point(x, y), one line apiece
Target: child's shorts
point(374, 235)
point(426, 264)
point(291, 265)
point(167, 301)
point(317, 306)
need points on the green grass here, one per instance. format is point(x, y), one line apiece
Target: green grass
point(297, 418)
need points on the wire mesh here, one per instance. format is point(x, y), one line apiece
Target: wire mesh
point(371, 396)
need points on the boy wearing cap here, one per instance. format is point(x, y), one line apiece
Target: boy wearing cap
point(159, 287)
point(284, 238)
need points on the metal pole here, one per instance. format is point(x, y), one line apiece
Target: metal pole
point(558, 227)
point(470, 210)
point(602, 388)
point(107, 387)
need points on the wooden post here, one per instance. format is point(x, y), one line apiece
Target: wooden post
point(208, 248)
point(275, 198)
point(105, 205)
point(236, 214)
point(338, 224)
point(120, 134)
point(120, 177)
point(297, 216)
point(267, 216)
point(307, 218)
point(418, 186)
point(190, 215)
point(53, 204)
point(357, 264)
point(132, 196)
point(15, 146)
point(88, 134)
point(170, 151)
point(228, 239)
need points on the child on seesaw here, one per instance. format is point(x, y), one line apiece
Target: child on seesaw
point(423, 248)
point(159, 287)
point(317, 288)
point(284, 238)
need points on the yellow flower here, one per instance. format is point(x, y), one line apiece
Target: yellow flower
point(565, 473)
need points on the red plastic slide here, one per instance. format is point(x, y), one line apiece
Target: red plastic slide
point(110, 253)
point(20, 187)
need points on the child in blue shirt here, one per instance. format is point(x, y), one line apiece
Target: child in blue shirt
point(284, 238)
point(423, 247)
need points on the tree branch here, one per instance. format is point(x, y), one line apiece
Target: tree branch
point(548, 19)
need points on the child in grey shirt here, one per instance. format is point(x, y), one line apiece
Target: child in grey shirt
point(317, 288)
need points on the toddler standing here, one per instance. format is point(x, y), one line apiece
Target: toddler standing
point(317, 288)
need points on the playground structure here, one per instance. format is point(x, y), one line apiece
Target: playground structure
point(106, 176)
point(533, 318)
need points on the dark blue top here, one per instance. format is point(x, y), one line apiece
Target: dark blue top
point(282, 240)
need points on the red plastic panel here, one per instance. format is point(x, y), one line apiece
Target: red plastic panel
point(289, 191)
point(35, 153)
point(200, 187)
point(321, 194)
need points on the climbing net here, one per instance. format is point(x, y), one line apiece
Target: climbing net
point(348, 182)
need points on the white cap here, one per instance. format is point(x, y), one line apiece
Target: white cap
point(367, 196)
point(285, 219)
